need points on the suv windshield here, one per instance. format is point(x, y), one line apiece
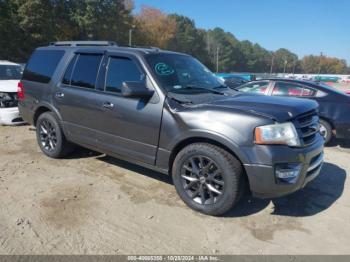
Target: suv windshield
point(10, 72)
point(182, 74)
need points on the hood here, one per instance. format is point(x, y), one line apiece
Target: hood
point(277, 108)
point(8, 85)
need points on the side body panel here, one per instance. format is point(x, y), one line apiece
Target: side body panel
point(129, 127)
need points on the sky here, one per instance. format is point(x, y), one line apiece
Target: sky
point(302, 26)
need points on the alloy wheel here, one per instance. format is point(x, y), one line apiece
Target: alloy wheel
point(48, 136)
point(323, 131)
point(202, 179)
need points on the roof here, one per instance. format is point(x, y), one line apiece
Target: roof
point(5, 62)
point(104, 46)
point(288, 80)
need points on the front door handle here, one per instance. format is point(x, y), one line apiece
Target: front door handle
point(108, 105)
point(59, 95)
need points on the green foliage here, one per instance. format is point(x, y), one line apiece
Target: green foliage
point(187, 38)
point(284, 60)
point(323, 65)
point(27, 24)
point(256, 58)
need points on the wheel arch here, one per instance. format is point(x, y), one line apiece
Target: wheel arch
point(209, 140)
point(329, 121)
point(42, 108)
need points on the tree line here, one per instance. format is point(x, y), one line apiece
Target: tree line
point(27, 24)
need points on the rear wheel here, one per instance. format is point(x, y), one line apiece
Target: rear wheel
point(326, 131)
point(207, 178)
point(50, 137)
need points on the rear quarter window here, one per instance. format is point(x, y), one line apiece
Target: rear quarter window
point(42, 65)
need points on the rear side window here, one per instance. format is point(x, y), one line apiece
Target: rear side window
point(121, 70)
point(42, 65)
point(85, 70)
point(292, 89)
point(10, 72)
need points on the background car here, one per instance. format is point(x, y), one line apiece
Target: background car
point(246, 76)
point(334, 105)
point(10, 74)
point(233, 81)
point(346, 80)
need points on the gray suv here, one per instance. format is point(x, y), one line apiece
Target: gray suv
point(166, 111)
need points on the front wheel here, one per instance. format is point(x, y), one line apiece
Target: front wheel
point(326, 131)
point(207, 178)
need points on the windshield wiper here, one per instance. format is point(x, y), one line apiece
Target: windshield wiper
point(226, 87)
point(181, 100)
point(204, 89)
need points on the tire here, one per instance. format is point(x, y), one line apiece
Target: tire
point(326, 131)
point(220, 172)
point(50, 137)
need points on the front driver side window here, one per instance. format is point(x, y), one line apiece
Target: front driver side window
point(255, 87)
point(121, 70)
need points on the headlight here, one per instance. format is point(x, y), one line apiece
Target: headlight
point(282, 134)
point(4, 96)
point(6, 100)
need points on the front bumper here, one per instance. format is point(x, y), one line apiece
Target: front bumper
point(10, 116)
point(262, 179)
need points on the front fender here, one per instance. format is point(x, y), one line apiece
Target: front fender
point(197, 134)
point(166, 154)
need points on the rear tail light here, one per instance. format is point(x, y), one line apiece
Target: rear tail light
point(20, 91)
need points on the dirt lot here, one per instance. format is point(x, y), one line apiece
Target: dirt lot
point(95, 204)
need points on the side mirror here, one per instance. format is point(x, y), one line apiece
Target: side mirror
point(136, 89)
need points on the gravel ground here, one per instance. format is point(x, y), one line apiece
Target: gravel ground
point(95, 204)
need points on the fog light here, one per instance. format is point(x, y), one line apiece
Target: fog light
point(287, 173)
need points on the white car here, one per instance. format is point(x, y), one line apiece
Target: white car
point(10, 74)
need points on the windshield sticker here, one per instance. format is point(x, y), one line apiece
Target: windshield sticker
point(163, 69)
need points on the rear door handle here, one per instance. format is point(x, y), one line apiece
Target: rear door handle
point(108, 105)
point(59, 95)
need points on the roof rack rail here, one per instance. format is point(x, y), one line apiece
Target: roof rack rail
point(146, 47)
point(83, 43)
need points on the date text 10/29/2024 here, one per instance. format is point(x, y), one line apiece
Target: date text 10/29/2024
point(173, 258)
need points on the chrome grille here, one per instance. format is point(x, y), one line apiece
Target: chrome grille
point(307, 126)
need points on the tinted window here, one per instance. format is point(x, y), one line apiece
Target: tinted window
point(9, 72)
point(86, 70)
point(42, 65)
point(68, 75)
point(255, 87)
point(121, 70)
point(292, 89)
